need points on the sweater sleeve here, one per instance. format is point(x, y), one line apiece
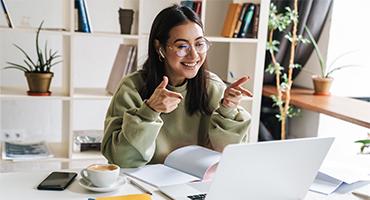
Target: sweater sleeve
point(227, 125)
point(130, 128)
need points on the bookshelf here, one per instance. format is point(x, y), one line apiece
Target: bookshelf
point(79, 100)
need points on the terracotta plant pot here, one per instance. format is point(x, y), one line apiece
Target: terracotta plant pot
point(322, 85)
point(39, 83)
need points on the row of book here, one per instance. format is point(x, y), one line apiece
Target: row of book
point(241, 21)
point(196, 6)
point(124, 63)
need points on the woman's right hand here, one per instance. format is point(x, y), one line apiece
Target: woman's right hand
point(163, 100)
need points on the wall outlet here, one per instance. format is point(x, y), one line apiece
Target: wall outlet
point(12, 134)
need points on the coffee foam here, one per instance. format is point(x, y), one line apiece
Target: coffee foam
point(103, 167)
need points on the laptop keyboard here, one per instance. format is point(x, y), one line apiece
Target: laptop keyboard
point(197, 197)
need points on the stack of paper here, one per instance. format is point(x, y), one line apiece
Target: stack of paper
point(333, 175)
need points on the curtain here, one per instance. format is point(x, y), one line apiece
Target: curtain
point(313, 14)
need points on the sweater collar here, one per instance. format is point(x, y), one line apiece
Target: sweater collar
point(180, 88)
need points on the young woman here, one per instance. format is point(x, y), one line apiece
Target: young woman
point(173, 101)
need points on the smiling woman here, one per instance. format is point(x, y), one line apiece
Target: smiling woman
point(174, 101)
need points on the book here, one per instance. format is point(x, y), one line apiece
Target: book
point(87, 16)
point(25, 151)
point(186, 164)
point(198, 8)
point(256, 19)
point(132, 61)
point(119, 69)
point(240, 19)
point(6, 13)
point(247, 22)
point(231, 19)
point(188, 3)
point(82, 16)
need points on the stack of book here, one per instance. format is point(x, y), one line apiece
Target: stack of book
point(25, 151)
point(241, 21)
point(124, 63)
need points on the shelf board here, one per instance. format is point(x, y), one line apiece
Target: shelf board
point(106, 34)
point(20, 93)
point(345, 108)
point(91, 94)
point(56, 31)
point(96, 155)
point(232, 40)
point(60, 31)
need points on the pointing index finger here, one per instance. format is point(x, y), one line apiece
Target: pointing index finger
point(239, 82)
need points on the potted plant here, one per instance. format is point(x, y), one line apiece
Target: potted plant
point(37, 72)
point(322, 82)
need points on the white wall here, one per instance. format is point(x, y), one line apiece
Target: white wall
point(349, 31)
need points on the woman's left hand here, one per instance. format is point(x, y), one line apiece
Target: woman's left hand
point(234, 93)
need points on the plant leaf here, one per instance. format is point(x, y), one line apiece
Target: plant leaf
point(317, 51)
point(25, 54)
point(19, 67)
point(40, 61)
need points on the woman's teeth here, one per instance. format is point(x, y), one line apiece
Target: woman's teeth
point(190, 64)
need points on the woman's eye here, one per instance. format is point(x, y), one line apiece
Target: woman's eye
point(200, 44)
point(184, 46)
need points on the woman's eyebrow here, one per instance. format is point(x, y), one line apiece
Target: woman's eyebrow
point(184, 40)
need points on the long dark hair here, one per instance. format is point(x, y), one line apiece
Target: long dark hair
point(197, 97)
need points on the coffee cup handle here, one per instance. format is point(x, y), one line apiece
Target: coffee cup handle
point(84, 175)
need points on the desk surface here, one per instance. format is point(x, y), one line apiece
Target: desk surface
point(22, 185)
point(348, 109)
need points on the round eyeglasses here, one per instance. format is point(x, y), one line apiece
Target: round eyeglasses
point(183, 49)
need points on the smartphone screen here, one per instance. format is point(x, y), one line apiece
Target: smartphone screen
point(57, 181)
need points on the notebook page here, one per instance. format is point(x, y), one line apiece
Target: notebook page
point(159, 175)
point(193, 159)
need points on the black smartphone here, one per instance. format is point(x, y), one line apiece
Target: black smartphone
point(57, 181)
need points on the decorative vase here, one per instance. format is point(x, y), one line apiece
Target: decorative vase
point(322, 85)
point(39, 83)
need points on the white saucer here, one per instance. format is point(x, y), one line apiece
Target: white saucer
point(87, 185)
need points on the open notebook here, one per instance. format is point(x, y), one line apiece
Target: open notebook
point(186, 164)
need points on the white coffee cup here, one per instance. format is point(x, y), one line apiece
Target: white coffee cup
point(101, 175)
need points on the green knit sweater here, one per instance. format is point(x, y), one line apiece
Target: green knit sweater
point(135, 135)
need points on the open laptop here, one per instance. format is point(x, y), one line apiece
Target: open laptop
point(279, 170)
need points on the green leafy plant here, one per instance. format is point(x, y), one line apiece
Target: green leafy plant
point(365, 143)
point(279, 22)
point(331, 67)
point(45, 60)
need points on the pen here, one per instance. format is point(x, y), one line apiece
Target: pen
point(139, 186)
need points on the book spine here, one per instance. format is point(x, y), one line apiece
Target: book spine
point(82, 16)
point(87, 16)
point(256, 19)
point(246, 22)
point(7, 16)
point(231, 19)
point(198, 8)
point(240, 20)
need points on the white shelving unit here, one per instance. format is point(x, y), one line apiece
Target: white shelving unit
point(80, 80)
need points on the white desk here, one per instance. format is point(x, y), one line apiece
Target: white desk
point(22, 185)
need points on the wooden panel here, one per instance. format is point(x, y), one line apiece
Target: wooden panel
point(347, 109)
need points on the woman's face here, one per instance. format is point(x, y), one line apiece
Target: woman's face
point(185, 52)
